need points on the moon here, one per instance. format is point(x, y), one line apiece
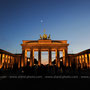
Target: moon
point(41, 21)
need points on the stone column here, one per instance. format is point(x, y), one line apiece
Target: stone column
point(0, 61)
point(50, 57)
point(10, 59)
point(83, 60)
point(25, 57)
point(18, 62)
point(80, 59)
point(24, 62)
point(89, 60)
point(13, 61)
point(64, 56)
point(70, 61)
point(86, 60)
point(57, 58)
point(77, 62)
point(0, 58)
point(32, 58)
point(4, 59)
point(39, 57)
point(7, 61)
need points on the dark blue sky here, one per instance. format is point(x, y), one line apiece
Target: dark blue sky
point(26, 20)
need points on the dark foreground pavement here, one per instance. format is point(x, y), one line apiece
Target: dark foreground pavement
point(46, 84)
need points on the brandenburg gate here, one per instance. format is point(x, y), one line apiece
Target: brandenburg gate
point(78, 60)
point(44, 44)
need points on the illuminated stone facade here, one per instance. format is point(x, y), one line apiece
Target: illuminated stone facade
point(7, 60)
point(44, 45)
point(81, 60)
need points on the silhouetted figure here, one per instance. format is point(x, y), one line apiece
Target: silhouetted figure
point(35, 61)
point(54, 62)
point(61, 64)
